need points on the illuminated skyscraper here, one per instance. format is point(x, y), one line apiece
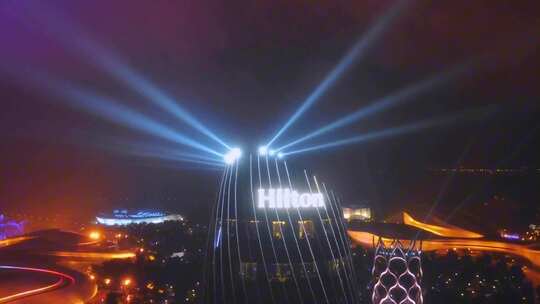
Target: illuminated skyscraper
point(277, 236)
point(397, 272)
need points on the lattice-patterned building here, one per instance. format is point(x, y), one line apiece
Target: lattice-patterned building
point(277, 236)
point(397, 272)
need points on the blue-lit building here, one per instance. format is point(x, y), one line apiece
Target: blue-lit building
point(122, 217)
point(277, 236)
point(10, 228)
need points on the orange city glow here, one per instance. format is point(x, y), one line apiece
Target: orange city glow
point(94, 235)
point(126, 282)
point(13, 241)
point(94, 255)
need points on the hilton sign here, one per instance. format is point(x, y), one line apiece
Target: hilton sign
point(283, 198)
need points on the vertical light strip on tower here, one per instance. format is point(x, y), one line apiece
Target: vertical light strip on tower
point(283, 239)
point(326, 237)
point(296, 239)
point(345, 241)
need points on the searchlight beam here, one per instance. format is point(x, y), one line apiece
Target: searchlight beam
point(356, 52)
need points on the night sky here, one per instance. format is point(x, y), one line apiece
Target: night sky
point(243, 67)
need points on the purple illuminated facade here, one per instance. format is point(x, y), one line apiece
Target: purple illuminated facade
point(10, 228)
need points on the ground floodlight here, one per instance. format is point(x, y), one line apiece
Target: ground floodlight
point(280, 155)
point(233, 155)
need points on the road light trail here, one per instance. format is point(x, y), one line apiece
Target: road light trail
point(64, 280)
point(78, 42)
point(356, 52)
point(93, 255)
point(13, 241)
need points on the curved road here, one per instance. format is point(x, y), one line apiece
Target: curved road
point(32, 285)
point(63, 280)
point(48, 267)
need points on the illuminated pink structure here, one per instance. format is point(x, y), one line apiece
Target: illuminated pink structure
point(397, 272)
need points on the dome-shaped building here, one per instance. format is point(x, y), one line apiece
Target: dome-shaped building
point(276, 236)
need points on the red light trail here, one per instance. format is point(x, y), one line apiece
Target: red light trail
point(64, 280)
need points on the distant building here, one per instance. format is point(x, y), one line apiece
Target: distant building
point(508, 235)
point(534, 232)
point(122, 217)
point(360, 213)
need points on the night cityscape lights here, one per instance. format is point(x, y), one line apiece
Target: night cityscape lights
point(431, 195)
point(124, 217)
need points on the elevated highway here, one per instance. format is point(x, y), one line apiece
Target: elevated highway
point(443, 238)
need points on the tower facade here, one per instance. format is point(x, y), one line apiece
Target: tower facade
point(397, 272)
point(277, 236)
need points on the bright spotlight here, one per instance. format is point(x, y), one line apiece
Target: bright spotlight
point(280, 155)
point(384, 103)
point(263, 150)
point(357, 51)
point(112, 63)
point(428, 123)
point(112, 110)
point(232, 156)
